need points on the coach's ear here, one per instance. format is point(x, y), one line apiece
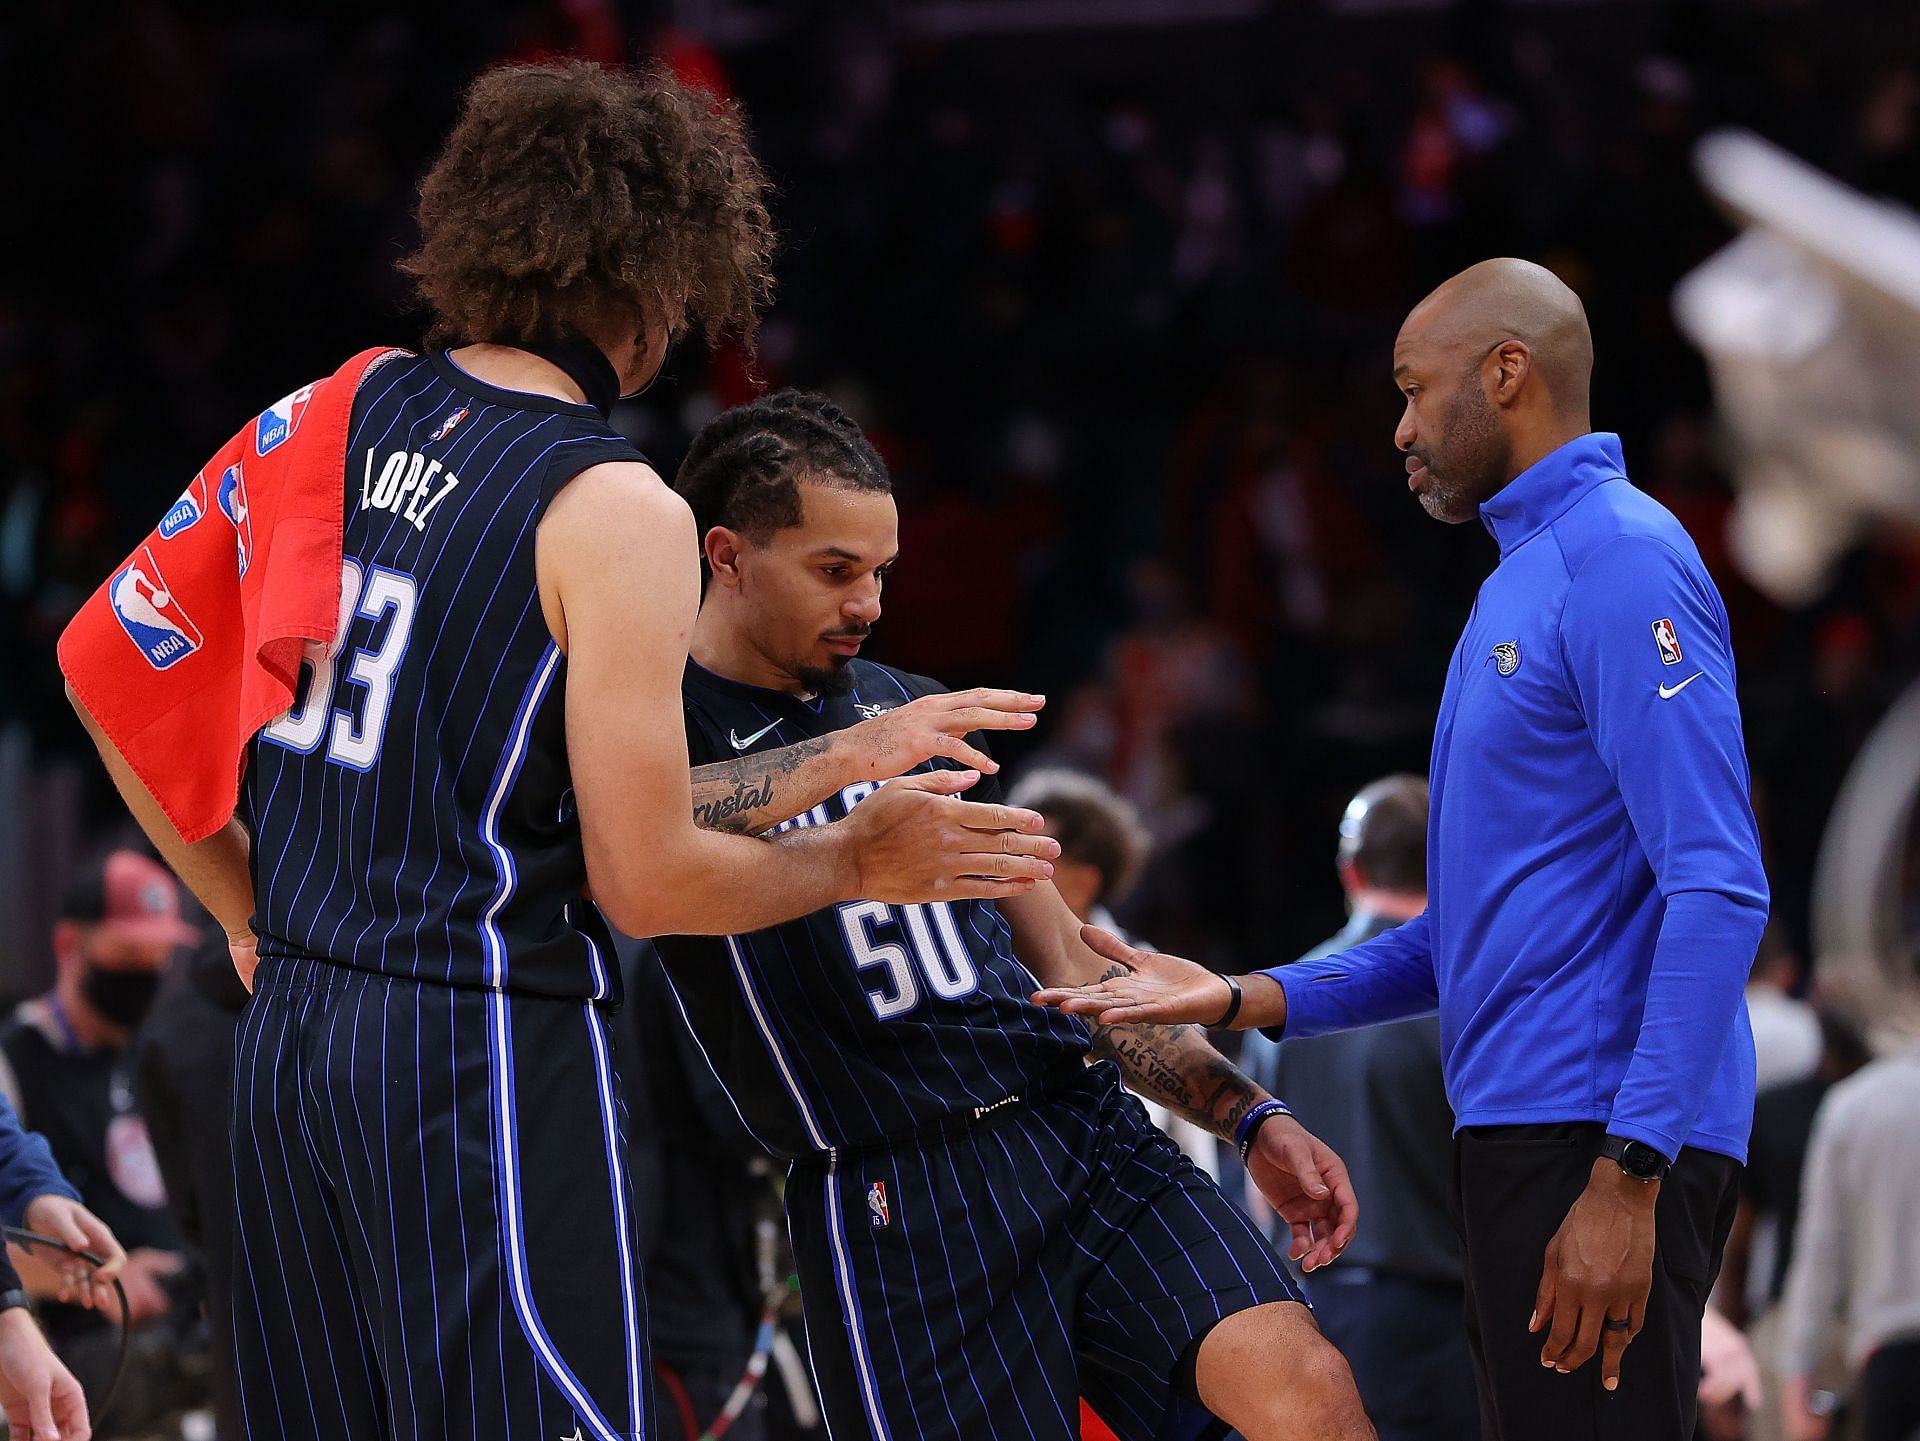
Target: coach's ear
point(722, 548)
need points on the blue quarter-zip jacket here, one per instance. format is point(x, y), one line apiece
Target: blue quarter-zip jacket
point(1595, 892)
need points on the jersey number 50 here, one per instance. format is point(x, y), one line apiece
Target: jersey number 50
point(368, 594)
point(942, 956)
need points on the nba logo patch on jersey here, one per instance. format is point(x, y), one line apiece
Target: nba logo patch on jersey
point(280, 420)
point(185, 512)
point(447, 425)
point(150, 615)
point(878, 1212)
point(233, 504)
point(1668, 642)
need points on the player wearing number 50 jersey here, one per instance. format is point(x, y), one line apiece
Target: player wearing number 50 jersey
point(435, 1235)
point(986, 1228)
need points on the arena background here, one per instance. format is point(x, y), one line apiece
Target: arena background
point(1114, 284)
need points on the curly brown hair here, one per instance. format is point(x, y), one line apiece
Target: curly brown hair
point(571, 197)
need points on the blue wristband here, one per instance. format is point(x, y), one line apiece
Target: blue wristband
point(1248, 1129)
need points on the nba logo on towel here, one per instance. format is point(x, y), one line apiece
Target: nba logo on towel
point(186, 511)
point(233, 503)
point(150, 615)
point(877, 1213)
point(281, 420)
point(1668, 642)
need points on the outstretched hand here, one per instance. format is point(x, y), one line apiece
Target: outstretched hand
point(1157, 988)
point(895, 741)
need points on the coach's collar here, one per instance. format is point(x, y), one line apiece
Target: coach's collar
point(1547, 489)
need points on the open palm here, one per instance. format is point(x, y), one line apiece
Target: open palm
point(1140, 986)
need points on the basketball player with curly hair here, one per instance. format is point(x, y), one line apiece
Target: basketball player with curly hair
point(435, 1233)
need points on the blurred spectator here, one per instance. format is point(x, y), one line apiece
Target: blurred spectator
point(68, 1069)
point(1760, 1246)
point(1786, 1033)
point(1729, 1379)
point(1856, 1263)
point(38, 1395)
point(1394, 1303)
point(1103, 848)
point(184, 1087)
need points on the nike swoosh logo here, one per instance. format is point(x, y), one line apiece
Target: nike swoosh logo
point(1669, 692)
point(733, 736)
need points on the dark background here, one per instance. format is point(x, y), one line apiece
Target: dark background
point(1116, 299)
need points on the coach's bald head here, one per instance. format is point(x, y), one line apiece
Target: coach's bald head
point(1495, 365)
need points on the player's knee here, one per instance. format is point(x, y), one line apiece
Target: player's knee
point(1313, 1398)
point(1287, 1382)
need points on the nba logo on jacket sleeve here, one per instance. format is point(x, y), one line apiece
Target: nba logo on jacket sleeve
point(878, 1213)
point(280, 420)
point(1669, 642)
point(150, 615)
point(233, 504)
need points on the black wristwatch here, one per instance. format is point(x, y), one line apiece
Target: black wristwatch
point(14, 1299)
point(1639, 1160)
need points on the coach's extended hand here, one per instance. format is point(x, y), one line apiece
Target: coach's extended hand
point(1164, 990)
point(895, 741)
point(914, 840)
point(1300, 1175)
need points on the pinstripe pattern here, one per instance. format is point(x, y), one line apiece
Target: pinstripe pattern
point(387, 868)
point(1047, 1251)
point(1053, 1251)
point(785, 1014)
point(415, 1256)
point(414, 1259)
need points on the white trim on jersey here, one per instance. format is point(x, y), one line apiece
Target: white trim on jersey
point(516, 756)
point(616, 1177)
point(814, 1133)
point(850, 1301)
point(501, 1056)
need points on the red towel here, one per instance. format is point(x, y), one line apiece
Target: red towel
point(194, 642)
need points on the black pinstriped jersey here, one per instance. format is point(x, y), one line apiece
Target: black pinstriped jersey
point(863, 1020)
point(412, 813)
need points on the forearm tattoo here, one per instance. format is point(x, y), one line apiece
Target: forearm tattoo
point(738, 795)
point(1178, 1067)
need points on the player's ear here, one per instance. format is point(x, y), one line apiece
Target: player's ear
point(723, 547)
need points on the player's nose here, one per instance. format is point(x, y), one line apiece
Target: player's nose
point(1405, 433)
point(864, 607)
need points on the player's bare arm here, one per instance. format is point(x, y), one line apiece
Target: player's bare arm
point(620, 592)
point(216, 869)
point(1139, 985)
point(1174, 1064)
point(757, 792)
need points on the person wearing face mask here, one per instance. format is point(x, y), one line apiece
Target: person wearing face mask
point(66, 1063)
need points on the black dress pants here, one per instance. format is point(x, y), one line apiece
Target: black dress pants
point(1513, 1186)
